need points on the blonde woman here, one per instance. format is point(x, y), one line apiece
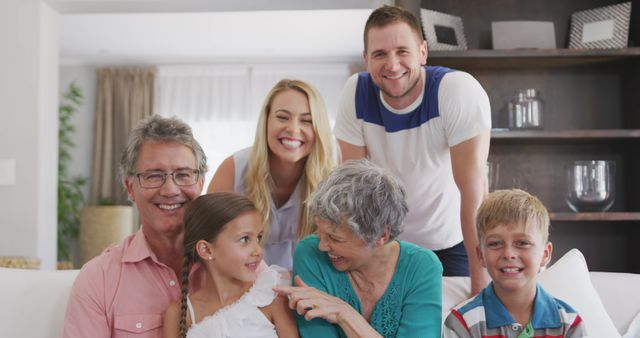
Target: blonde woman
point(293, 150)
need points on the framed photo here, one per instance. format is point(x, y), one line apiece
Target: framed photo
point(443, 31)
point(601, 28)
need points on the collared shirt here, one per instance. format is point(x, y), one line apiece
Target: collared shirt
point(123, 292)
point(486, 316)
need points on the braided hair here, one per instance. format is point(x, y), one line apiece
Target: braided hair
point(204, 219)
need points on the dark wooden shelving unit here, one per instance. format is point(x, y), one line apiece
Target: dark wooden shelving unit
point(531, 58)
point(594, 216)
point(567, 136)
point(594, 134)
point(591, 111)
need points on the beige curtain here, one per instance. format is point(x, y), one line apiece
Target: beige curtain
point(124, 97)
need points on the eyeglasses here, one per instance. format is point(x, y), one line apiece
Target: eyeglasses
point(155, 179)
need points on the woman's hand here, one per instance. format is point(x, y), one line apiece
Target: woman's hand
point(313, 303)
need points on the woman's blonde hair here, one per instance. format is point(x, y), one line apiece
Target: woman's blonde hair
point(321, 160)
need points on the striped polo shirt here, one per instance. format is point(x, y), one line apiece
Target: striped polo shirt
point(485, 316)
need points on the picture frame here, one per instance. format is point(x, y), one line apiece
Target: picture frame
point(443, 31)
point(601, 28)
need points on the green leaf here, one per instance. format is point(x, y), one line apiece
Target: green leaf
point(70, 196)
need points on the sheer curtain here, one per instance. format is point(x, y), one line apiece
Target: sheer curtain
point(222, 102)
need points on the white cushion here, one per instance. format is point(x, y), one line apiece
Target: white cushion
point(620, 294)
point(634, 328)
point(454, 291)
point(38, 302)
point(568, 279)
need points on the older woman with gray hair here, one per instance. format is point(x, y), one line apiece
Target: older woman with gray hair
point(353, 278)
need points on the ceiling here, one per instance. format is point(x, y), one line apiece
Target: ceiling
point(174, 6)
point(190, 31)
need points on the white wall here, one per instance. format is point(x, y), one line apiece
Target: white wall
point(28, 125)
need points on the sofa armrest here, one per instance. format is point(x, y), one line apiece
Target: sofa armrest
point(33, 303)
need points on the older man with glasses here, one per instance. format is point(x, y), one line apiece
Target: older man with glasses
point(126, 289)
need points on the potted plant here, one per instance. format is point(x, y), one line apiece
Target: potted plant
point(70, 196)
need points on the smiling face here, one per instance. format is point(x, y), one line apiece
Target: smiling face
point(345, 249)
point(162, 209)
point(236, 252)
point(394, 57)
point(513, 256)
point(290, 133)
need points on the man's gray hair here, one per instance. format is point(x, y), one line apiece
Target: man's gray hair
point(160, 129)
point(364, 197)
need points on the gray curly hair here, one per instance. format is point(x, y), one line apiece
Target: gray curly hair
point(364, 197)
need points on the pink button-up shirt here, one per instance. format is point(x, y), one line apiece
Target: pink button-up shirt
point(123, 292)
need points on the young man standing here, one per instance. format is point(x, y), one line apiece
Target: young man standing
point(431, 127)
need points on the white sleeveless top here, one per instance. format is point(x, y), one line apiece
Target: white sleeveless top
point(242, 318)
point(283, 222)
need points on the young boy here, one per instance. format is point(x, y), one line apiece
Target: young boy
point(513, 228)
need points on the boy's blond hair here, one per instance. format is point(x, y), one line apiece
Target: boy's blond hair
point(512, 208)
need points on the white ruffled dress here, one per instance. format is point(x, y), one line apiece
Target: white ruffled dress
point(242, 318)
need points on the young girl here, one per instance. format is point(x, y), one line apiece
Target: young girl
point(222, 232)
point(292, 152)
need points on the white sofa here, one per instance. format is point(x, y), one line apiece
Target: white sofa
point(32, 303)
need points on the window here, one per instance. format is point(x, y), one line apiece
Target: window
point(222, 102)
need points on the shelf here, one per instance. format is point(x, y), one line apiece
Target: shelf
point(594, 216)
point(583, 134)
point(529, 58)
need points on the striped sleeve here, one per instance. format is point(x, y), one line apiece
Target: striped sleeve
point(577, 328)
point(455, 326)
point(573, 324)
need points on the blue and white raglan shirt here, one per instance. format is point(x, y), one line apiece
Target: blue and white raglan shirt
point(485, 316)
point(413, 144)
